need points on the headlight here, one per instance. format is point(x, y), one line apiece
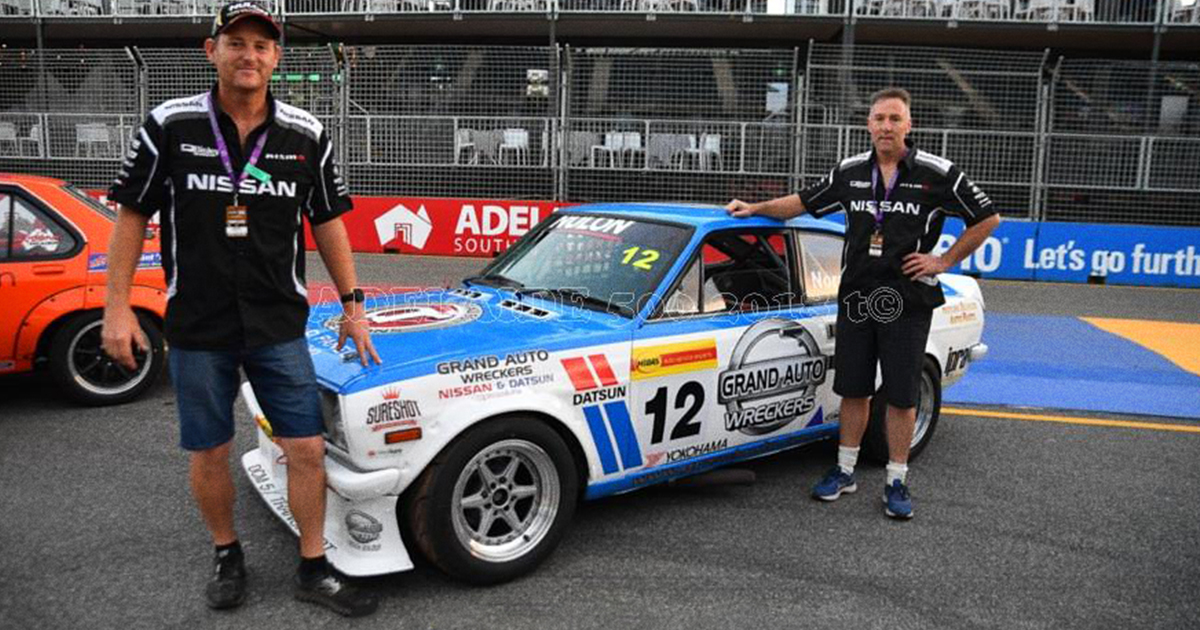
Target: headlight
point(331, 412)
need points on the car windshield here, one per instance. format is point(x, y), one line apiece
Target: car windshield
point(598, 262)
point(91, 202)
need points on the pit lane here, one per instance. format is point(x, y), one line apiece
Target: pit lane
point(1020, 523)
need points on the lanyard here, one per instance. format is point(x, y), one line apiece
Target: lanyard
point(223, 150)
point(887, 191)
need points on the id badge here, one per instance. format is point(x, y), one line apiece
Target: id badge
point(236, 224)
point(876, 244)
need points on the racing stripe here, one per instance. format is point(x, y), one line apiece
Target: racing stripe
point(618, 418)
point(603, 370)
point(608, 460)
point(581, 376)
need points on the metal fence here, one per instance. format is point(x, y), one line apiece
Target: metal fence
point(1057, 139)
point(1166, 12)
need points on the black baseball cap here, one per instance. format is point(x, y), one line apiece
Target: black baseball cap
point(236, 11)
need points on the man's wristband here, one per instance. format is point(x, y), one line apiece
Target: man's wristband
point(355, 295)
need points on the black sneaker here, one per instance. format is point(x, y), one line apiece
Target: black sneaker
point(227, 588)
point(337, 594)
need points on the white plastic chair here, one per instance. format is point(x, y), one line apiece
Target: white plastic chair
point(34, 138)
point(614, 142)
point(516, 142)
point(8, 136)
point(631, 147)
point(465, 142)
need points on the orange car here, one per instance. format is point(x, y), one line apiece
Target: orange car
point(53, 257)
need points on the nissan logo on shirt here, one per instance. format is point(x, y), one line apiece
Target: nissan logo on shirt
point(248, 186)
point(887, 207)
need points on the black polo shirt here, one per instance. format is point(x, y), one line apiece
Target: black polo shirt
point(230, 293)
point(928, 188)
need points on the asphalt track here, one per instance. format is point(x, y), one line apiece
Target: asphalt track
point(1025, 518)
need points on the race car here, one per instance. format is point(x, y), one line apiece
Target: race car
point(53, 262)
point(612, 347)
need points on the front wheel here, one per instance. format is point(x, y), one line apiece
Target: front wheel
point(85, 372)
point(496, 502)
point(929, 406)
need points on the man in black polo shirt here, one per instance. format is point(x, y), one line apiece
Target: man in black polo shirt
point(896, 198)
point(232, 172)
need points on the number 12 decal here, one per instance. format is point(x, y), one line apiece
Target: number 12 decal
point(690, 395)
point(645, 263)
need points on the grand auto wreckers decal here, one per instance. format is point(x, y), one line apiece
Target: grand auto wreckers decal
point(486, 374)
point(773, 377)
point(443, 227)
point(602, 399)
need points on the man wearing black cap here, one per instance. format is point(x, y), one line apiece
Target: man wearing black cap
point(232, 172)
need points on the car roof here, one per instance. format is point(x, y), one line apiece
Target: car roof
point(23, 178)
point(701, 216)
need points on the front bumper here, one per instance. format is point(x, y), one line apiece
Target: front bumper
point(362, 533)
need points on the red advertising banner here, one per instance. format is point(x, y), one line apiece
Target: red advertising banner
point(440, 227)
point(435, 226)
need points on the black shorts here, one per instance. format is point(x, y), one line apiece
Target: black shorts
point(898, 346)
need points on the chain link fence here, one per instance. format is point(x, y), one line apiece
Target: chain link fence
point(686, 125)
point(980, 109)
point(1056, 139)
point(452, 121)
point(1123, 142)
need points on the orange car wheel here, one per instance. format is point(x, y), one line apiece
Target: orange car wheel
point(89, 376)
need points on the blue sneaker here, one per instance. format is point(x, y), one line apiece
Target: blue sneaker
point(896, 502)
point(834, 484)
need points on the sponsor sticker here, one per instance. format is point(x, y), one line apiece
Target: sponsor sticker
point(671, 359)
point(363, 530)
point(149, 260)
point(414, 317)
point(392, 409)
point(773, 376)
point(685, 452)
point(962, 313)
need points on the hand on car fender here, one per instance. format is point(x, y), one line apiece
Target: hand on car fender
point(354, 325)
point(119, 333)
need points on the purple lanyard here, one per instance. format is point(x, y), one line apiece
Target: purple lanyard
point(223, 150)
point(887, 191)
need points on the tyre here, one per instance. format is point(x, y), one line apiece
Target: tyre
point(929, 406)
point(496, 502)
point(85, 372)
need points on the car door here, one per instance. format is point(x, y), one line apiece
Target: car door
point(39, 258)
point(733, 356)
point(820, 274)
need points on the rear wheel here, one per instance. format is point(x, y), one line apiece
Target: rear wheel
point(87, 375)
point(496, 502)
point(929, 405)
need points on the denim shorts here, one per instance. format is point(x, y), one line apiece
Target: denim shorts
point(206, 387)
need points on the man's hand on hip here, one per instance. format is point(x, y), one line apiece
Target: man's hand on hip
point(354, 325)
point(120, 333)
point(917, 265)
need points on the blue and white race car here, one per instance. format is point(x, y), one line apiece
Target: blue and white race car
point(613, 347)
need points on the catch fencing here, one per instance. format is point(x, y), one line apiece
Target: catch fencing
point(1048, 138)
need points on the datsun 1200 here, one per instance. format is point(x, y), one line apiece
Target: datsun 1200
point(612, 347)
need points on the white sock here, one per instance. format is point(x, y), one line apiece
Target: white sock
point(847, 458)
point(896, 471)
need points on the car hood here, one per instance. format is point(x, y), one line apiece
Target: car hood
point(414, 332)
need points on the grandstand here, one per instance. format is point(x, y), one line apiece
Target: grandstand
point(1080, 110)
